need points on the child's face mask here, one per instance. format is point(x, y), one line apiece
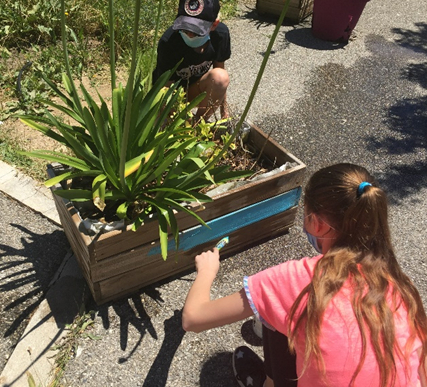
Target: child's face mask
point(194, 42)
point(313, 241)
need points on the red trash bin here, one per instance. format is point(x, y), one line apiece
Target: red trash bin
point(334, 20)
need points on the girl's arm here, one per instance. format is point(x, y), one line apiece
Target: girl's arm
point(200, 312)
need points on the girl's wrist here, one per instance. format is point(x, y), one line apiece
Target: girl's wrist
point(206, 275)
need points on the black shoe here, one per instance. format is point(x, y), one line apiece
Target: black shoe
point(248, 368)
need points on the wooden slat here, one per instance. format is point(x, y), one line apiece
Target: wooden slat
point(199, 235)
point(77, 241)
point(297, 11)
point(113, 242)
point(156, 270)
point(228, 223)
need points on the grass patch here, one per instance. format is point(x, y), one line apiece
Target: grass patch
point(9, 149)
point(68, 347)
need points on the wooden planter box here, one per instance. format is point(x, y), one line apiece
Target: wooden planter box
point(297, 11)
point(118, 263)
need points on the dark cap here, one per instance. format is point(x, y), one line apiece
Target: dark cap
point(196, 16)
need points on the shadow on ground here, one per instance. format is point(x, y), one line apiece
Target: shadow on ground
point(407, 122)
point(300, 34)
point(217, 371)
point(29, 259)
point(391, 119)
point(159, 370)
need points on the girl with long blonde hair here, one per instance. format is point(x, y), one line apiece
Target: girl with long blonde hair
point(350, 314)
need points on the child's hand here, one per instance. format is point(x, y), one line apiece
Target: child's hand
point(208, 262)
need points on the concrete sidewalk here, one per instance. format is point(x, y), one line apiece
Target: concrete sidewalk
point(28, 192)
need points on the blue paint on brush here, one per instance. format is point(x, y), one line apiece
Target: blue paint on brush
point(226, 224)
point(222, 243)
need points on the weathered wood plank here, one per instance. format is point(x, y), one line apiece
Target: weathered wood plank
point(297, 11)
point(127, 283)
point(195, 236)
point(222, 204)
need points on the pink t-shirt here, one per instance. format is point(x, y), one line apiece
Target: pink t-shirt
point(272, 293)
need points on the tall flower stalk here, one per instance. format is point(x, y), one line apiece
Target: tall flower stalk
point(129, 94)
point(153, 48)
point(66, 59)
point(112, 45)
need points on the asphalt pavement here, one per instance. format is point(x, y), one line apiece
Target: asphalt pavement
point(365, 103)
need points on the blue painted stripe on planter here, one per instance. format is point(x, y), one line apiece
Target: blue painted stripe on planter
point(233, 221)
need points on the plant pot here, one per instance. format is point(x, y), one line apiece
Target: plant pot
point(334, 20)
point(297, 11)
point(120, 262)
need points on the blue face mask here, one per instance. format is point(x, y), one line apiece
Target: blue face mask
point(313, 241)
point(196, 41)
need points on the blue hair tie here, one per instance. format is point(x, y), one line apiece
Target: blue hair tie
point(362, 186)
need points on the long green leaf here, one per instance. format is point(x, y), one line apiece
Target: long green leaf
point(145, 169)
point(67, 111)
point(58, 157)
point(112, 48)
point(69, 176)
point(98, 124)
point(110, 169)
point(92, 128)
point(170, 157)
point(144, 174)
point(77, 131)
point(117, 102)
point(155, 37)
point(165, 217)
point(184, 195)
point(59, 93)
point(77, 147)
point(180, 207)
point(44, 129)
point(67, 81)
point(75, 195)
point(102, 121)
point(129, 93)
point(201, 164)
point(163, 232)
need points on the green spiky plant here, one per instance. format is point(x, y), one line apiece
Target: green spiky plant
point(141, 154)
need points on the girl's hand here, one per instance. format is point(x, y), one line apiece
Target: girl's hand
point(200, 312)
point(208, 262)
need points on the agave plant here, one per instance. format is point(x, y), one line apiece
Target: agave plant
point(140, 154)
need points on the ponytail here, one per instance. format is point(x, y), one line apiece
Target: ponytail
point(348, 198)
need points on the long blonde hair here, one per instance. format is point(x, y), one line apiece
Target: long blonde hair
point(363, 254)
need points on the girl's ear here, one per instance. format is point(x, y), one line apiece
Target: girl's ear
point(315, 223)
point(215, 24)
point(319, 225)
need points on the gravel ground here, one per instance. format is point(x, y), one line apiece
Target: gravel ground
point(363, 103)
point(31, 250)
